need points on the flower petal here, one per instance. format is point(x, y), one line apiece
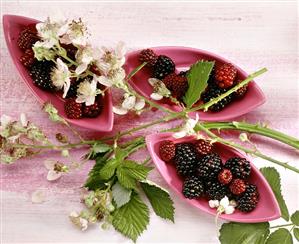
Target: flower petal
point(179, 134)
point(153, 81)
point(224, 202)
point(129, 102)
point(229, 210)
point(23, 120)
point(214, 203)
point(5, 120)
point(66, 87)
point(81, 68)
point(140, 104)
point(120, 111)
point(156, 96)
point(53, 175)
point(49, 164)
point(104, 81)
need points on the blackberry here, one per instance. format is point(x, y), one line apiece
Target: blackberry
point(209, 166)
point(93, 110)
point(178, 85)
point(193, 187)
point(203, 147)
point(167, 150)
point(163, 67)
point(248, 201)
point(27, 59)
point(241, 91)
point(225, 176)
point(72, 92)
point(73, 109)
point(27, 37)
point(215, 190)
point(149, 56)
point(213, 92)
point(185, 159)
point(237, 186)
point(40, 72)
point(184, 73)
point(225, 75)
point(239, 167)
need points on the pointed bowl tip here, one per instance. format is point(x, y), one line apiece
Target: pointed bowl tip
point(267, 208)
point(12, 25)
point(183, 57)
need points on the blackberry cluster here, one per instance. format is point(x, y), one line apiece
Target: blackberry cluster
point(213, 92)
point(210, 166)
point(193, 187)
point(215, 190)
point(186, 159)
point(248, 201)
point(40, 72)
point(163, 67)
point(239, 167)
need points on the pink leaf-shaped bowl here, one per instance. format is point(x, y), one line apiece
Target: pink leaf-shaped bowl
point(183, 57)
point(267, 208)
point(12, 26)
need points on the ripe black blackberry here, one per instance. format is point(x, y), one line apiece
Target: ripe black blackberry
point(27, 37)
point(163, 67)
point(149, 56)
point(212, 92)
point(40, 72)
point(72, 92)
point(215, 190)
point(239, 167)
point(193, 187)
point(185, 159)
point(248, 201)
point(210, 166)
point(184, 73)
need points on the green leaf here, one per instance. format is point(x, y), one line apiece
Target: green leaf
point(296, 233)
point(273, 178)
point(108, 169)
point(280, 236)
point(132, 218)
point(295, 218)
point(136, 170)
point(100, 148)
point(120, 194)
point(125, 179)
point(236, 233)
point(94, 180)
point(197, 76)
point(159, 199)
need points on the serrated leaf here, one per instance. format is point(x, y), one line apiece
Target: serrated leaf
point(236, 233)
point(273, 178)
point(197, 77)
point(100, 148)
point(136, 170)
point(159, 199)
point(94, 180)
point(132, 218)
point(125, 179)
point(280, 236)
point(120, 194)
point(295, 218)
point(296, 233)
point(108, 169)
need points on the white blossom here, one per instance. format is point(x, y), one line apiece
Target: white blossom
point(84, 56)
point(224, 206)
point(159, 89)
point(188, 128)
point(55, 169)
point(61, 77)
point(42, 50)
point(86, 92)
point(5, 121)
point(130, 102)
point(114, 78)
point(80, 222)
point(76, 33)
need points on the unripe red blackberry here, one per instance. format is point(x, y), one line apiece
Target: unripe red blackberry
point(237, 186)
point(27, 37)
point(73, 109)
point(203, 147)
point(241, 91)
point(225, 176)
point(93, 110)
point(167, 150)
point(148, 56)
point(27, 59)
point(225, 75)
point(177, 84)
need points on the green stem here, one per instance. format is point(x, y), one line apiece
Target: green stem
point(134, 71)
point(247, 150)
point(256, 129)
point(278, 226)
point(206, 106)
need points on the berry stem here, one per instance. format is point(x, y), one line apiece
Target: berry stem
point(134, 71)
point(206, 106)
point(247, 150)
point(278, 226)
point(254, 128)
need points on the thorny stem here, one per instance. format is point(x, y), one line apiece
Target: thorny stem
point(246, 150)
point(254, 128)
point(235, 88)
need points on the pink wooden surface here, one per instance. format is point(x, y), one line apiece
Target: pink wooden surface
point(251, 35)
